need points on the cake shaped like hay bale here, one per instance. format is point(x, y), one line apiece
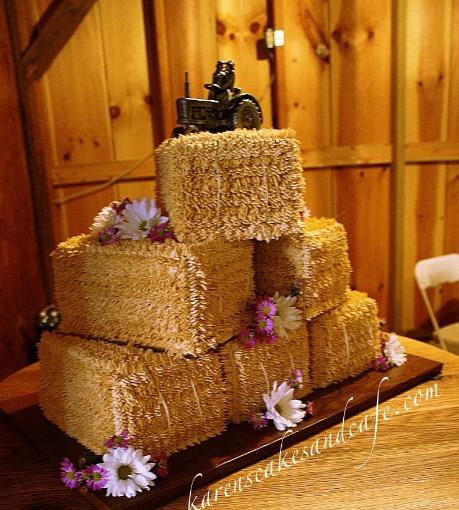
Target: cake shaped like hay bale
point(92, 390)
point(344, 341)
point(250, 373)
point(316, 260)
point(236, 185)
point(183, 298)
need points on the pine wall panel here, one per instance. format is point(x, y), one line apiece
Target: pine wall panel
point(303, 89)
point(450, 297)
point(427, 98)
point(360, 56)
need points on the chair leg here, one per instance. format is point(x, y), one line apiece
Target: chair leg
point(433, 318)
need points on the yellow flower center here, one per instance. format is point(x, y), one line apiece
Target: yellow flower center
point(124, 471)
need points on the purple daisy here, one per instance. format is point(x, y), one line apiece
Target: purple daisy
point(266, 308)
point(380, 364)
point(95, 477)
point(159, 233)
point(161, 465)
point(119, 207)
point(264, 326)
point(247, 339)
point(266, 338)
point(258, 421)
point(70, 476)
point(296, 379)
point(109, 235)
point(120, 440)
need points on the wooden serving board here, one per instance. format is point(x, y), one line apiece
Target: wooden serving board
point(239, 446)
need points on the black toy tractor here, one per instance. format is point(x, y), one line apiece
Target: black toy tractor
point(225, 108)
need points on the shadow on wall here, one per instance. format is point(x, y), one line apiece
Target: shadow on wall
point(447, 314)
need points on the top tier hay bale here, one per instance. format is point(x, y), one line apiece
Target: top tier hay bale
point(183, 298)
point(315, 261)
point(235, 185)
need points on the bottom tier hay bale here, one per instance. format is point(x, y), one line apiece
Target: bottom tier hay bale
point(316, 262)
point(92, 390)
point(250, 373)
point(344, 341)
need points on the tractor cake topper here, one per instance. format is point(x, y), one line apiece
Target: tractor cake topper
point(225, 108)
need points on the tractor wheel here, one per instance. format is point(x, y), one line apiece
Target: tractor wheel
point(178, 131)
point(191, 129)
point(247, 115)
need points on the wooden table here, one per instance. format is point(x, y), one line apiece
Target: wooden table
point(414, 464)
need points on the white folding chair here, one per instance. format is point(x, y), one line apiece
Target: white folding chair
point(434, 272)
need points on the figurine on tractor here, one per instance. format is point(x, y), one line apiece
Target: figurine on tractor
point(225, 108)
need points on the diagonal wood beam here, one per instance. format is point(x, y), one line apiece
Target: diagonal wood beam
point(50, 34)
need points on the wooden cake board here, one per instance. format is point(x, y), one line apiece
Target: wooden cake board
point(239, 446)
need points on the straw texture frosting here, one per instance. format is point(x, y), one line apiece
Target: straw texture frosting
point(316, 261)
point(242, 184)
point(183, 298)
point(92, 390)
point(344, 341)
point(251, 372)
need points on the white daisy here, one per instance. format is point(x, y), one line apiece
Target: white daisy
point(281, 408)
point(394, 351)
point(106, 218)
point(128, 470)
point(139, 217)
point(287, 317)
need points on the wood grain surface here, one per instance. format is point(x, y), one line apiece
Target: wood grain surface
point(414, 464)
point(22, 291)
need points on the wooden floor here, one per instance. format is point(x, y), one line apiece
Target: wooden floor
point(414, 465)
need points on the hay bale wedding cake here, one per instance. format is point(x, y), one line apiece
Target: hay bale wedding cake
point(173, 327)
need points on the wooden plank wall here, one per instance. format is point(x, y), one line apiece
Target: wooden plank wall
point(428, 105)
point(21, 283)
point(331, 82)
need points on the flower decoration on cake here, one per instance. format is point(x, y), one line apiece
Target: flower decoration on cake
point(288, 317)
point(70, 476)
point(274, 316)
point(139, 217)
point(124, 471)
point(96, 477)
point(120, 440)
point(380, 364)
point(131, 219)
point(393, 352)
point(282, 408)
point(129, 472)
point(247, 338)
point(159, 233)
point(107, 218)
point(161, 468)
point(295, 380)
point(258, 421)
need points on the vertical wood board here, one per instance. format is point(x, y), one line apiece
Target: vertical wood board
point(428, 45)
point(239, 25)
point(450, 295)
point(302, 89)
point(21, 284)
point(127, 78)
point(185, 32)
point(360, 67)
point(78, 101)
